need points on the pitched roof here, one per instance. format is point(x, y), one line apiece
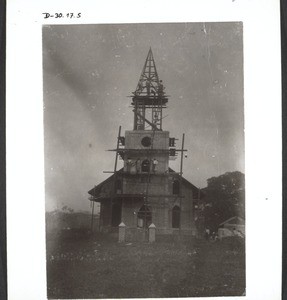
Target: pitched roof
point(95, 190)
point(232, 218)
point(196, 191)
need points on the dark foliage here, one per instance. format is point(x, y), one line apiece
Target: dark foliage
point(224, 198)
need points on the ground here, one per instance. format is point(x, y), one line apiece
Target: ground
point(81, 265)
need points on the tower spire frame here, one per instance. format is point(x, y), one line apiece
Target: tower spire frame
point(149, 95)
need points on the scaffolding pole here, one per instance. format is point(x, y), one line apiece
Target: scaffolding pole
point(115, 173)
point(93, 205)
point(118, 142)
point(180, 178)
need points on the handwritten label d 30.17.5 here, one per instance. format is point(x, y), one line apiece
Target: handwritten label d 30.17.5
point(61, 15)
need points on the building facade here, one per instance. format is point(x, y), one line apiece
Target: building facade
point(146, 190)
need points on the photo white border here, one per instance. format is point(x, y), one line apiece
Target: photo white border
point(25, 143)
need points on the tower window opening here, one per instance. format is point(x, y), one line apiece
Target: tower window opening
point(175, 217)
point(145, 166)
point(172, 152)
point(122, 140)
point(144, 217)
point(175, 187)
point(171, 142)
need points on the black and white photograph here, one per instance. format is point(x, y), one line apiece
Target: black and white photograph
point(144, 160)
point(144, 149)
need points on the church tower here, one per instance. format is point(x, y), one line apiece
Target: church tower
point(148, 147)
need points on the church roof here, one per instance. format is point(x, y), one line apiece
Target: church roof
point(96, 190)
point(195, 190)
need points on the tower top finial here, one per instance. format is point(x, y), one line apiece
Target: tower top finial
point(149, 85)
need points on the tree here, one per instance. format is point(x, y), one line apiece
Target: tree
point(67, 209)
point(224, 198)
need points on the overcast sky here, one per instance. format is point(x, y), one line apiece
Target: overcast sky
point(89, 70)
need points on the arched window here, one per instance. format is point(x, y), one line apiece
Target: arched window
point(119, 186)
point(175, 187)
point(175, 217)
point(145, 166)
point(144, 217)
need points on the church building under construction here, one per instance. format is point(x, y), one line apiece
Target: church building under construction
point(146, 193)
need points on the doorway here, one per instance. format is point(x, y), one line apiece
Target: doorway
point(144, 217)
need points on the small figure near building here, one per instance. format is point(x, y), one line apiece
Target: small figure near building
point(154, 164)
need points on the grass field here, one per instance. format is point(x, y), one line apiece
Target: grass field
point(83, 266)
